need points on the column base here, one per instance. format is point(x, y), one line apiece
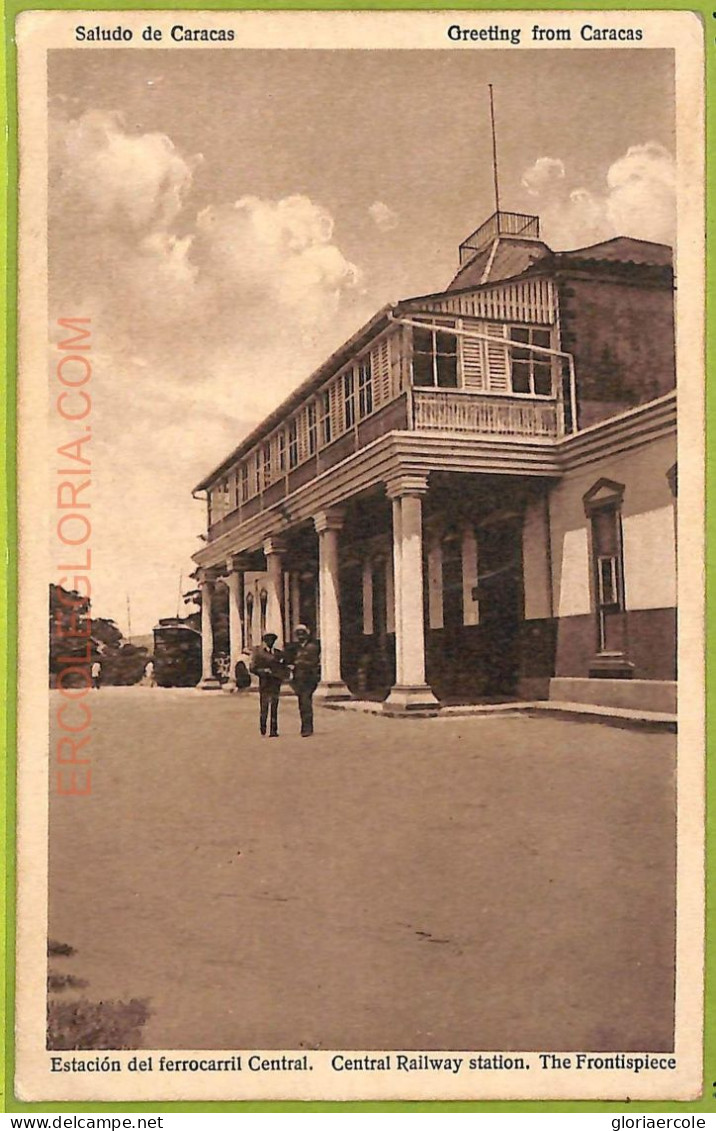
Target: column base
point(404, 700)
point(209, 683)
point(611, 665)
point(332, 690)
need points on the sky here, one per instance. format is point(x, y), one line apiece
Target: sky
point(227, 218)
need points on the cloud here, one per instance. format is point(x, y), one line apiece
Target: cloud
point(383, 217)
point(204, 315)
point(546, 172)
point(638, 199)
point(160, 269)
point(110, 176)
point(279, 254)
point(642, 192)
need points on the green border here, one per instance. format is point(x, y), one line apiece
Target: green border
point(8, 562)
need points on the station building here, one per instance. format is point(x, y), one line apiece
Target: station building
point(474, 498)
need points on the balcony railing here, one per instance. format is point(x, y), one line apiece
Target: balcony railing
point(442, 411)
point(499, 224)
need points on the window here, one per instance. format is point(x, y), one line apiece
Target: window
point(281, 449)
point(219, 501)
point(365, 388)
point(349, 406)
point(603, 507)
point(266, 459)
point(324, 419)
point(256, 473)
point(531, 372)
point(434, 358)
point(293, 443)
point(235, 489)
point(244, 479)
point(249, 620)
point(263, 606)
point(311, 427)
point(453, 612)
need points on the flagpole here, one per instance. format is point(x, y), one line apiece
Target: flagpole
point(494, 149)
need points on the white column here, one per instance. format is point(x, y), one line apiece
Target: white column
point(235, 585)
point(273, 549)
point(328, 524)
point(397, 607)
point(411, 692)
point(208, 680)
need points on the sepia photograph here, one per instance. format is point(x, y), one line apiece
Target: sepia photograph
point(358, 512)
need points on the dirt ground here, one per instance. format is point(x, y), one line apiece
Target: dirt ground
point(465, 883)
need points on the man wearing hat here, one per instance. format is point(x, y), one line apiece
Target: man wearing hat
point(305, 660)
point(268, 664)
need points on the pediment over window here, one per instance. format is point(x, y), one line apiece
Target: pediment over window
point(605, 492)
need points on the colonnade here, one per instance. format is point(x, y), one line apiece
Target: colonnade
point(410, 691)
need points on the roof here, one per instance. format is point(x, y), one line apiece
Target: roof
point(504, 258)
point(622, 249)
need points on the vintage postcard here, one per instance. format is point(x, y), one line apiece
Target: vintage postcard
point(350, 765)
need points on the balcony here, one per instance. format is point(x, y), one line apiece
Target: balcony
point(441, 410)
point(430, 371)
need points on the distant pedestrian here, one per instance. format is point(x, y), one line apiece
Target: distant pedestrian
point(268, 664)
point(96, 673)
point(149, 679)
point(305, 660)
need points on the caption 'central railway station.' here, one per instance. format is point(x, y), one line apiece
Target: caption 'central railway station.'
point(474, 498)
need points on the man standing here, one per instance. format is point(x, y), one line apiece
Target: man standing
point(96, 674)
point(305, 660)
point(268, 664)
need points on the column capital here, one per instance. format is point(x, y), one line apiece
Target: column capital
point(331, 519)
point(274, 545)
point(209, 576)
point(408, 483)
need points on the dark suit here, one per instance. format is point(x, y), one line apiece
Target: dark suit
point(306, 661)
point(268, 665)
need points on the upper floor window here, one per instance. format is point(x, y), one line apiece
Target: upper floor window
point(244, 482)
point(267, 469)
point(219, 501)
point(256, 473)
point(349, 405)
point(324, 418)
point(434, 358)
point(365, 388)
point(311, 427)
point(293, 443)
point(281, 450)
point(531, 371)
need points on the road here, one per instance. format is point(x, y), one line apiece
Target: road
point(465, 883)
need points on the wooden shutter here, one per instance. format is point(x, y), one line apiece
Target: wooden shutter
point(497, 360)
point(380, 372)
point(302, 422)
point(336, 407)
point(398, 352)
point(473, 360)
